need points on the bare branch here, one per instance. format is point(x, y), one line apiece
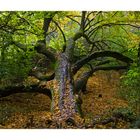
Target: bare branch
point(60, 31)
point(114, 14)
point(73, 20)
point(92, 19)
point(88, 14)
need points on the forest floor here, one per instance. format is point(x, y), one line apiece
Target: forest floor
point(30, 110)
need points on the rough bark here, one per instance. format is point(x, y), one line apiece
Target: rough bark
point(63, 104)
point(63, 101)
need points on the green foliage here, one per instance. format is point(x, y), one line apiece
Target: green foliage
point(131, 78)
point(130, 86)
point(15, 66)
point(136, 124)
point(26, 28)
point(124, 113)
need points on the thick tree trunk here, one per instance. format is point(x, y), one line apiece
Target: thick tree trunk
point(63, 100)
point(63, 103)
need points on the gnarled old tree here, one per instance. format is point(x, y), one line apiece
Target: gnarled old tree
point(91, 43)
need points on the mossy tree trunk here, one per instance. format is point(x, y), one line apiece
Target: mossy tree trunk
point(63, 101)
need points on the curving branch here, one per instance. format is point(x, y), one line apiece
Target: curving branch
point(41, 76)
point(80, 83)
point(64, 38)
point(60, 31)
point(73, 20)
point(95, 55)
point(41, 48)
point(88, 15)
point(88, 24)
point(21, 89)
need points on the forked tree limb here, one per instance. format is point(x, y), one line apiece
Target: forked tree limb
point(95, 55)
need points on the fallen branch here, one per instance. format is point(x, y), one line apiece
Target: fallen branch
point(21, 89)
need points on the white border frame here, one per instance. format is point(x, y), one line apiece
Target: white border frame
point(49, 5)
